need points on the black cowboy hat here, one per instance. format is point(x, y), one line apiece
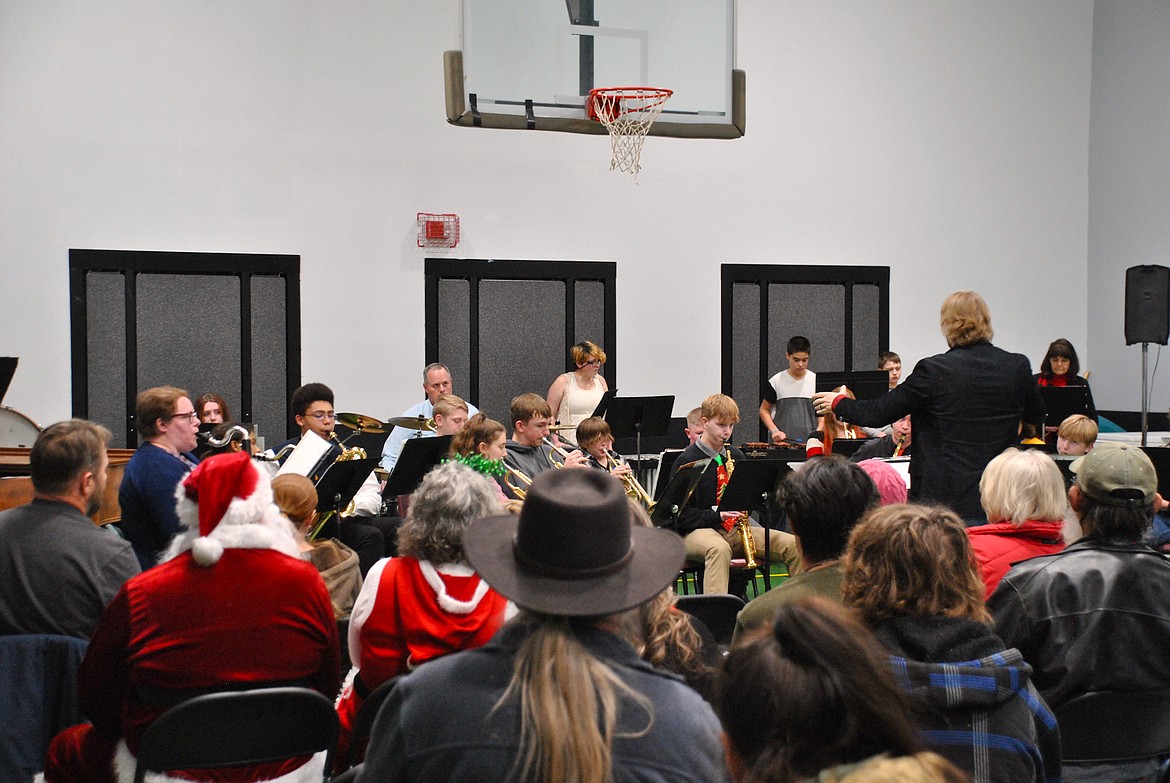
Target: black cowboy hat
point(574, 551)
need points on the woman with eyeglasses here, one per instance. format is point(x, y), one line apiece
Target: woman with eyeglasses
point(168, 423)
point(574, 395)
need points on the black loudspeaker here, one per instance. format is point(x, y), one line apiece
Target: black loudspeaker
point(1147, 305)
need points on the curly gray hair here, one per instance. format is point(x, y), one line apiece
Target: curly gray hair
point(445, 503)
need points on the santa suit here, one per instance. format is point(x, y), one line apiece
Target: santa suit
point(251, 613)
point(410, 612)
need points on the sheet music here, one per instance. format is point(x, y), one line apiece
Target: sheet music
point(306, 455)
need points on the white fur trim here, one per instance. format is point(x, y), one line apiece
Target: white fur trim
point(253, 522)
point(124, 763)
point(446, 602)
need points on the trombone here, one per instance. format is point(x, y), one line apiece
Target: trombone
point(634, 489)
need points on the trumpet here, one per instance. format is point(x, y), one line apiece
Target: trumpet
point(511, 474)
point(634, 489)
point(564, 454)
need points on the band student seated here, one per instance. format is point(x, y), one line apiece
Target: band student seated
point(596, 439)
point(896, 444)
point(366, 533)
point(527, 451)
point(58, 570)
point(168, 423)
point(795, 381)
point(709, 537)
point(436, 383)
point(967, 404)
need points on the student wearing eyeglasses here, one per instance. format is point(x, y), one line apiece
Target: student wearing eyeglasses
point(365, 532)
point(167, 423)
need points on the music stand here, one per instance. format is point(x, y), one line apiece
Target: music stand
point(751, 488)
point(418, 456)
point(635, 416)
point(678, 492)
point(340, 482)
point(1060, 402)
point(865, 384)
point(603, 404)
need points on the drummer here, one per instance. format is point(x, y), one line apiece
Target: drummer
point(436, 383)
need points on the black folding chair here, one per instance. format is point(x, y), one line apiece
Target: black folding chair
point(716, 611)
point(365, 721)
point(239, 728)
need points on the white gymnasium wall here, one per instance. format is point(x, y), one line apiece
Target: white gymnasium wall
point(948, 140)
point(1129, 187)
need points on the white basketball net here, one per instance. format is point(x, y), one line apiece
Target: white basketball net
point(627, 113)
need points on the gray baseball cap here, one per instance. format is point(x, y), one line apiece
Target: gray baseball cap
point(1117, 474)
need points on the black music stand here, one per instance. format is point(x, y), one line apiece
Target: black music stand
point(340, 482)
point(418, 456)
point(751, 488)
point(603, 404)
point(865, 384)
point(638, 416)
point(1060, 402)
point(678, 492)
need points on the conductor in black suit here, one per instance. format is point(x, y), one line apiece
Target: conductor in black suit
point(965, 405)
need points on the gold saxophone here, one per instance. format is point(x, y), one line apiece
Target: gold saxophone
point(743, 526)
point(348, 455)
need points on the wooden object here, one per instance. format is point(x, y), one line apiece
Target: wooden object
point(16, 487)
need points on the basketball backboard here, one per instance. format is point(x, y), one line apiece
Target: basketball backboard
point(531, 63)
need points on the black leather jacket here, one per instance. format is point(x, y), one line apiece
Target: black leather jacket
point(1094, 617)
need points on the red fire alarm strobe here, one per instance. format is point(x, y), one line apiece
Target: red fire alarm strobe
point(437, 230)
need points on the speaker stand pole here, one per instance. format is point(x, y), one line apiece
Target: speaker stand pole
point(1145, 394)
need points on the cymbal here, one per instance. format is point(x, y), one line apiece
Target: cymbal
point(412, 422)
point(356, 421)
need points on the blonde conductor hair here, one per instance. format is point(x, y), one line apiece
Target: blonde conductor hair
point(965, 319)
point(1079, 428)
point(1018, 486)
point(721, 407)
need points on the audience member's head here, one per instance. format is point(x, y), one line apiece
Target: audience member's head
point(912, 560)
point(823, 501)
point(965, 319)
point(226, 503)
point(1113, 495)
point(296, 497)
point(889, 482)
point(445, 503)
point(212, 409)
point(69, 459)
point(814, 692)
point(1076, 435)
point(1022, 486)
point(573, 558)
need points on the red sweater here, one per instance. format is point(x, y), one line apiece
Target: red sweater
point(1000, 544)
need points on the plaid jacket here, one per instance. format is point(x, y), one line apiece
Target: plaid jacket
point(979, 711)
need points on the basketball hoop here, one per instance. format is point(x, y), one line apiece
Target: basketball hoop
point(627, 113)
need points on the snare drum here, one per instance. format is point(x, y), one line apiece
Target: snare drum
point(17, 430)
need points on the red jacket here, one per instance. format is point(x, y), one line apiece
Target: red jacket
point(1000, 544)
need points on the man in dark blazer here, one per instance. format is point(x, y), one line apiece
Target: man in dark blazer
point(965, 405)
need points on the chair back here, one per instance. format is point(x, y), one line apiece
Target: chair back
point(716, 611)
point(38, 698)
point(365, 720)
point(239, 728)
point(1112, 726)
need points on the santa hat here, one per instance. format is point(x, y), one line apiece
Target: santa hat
point(227, 501)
